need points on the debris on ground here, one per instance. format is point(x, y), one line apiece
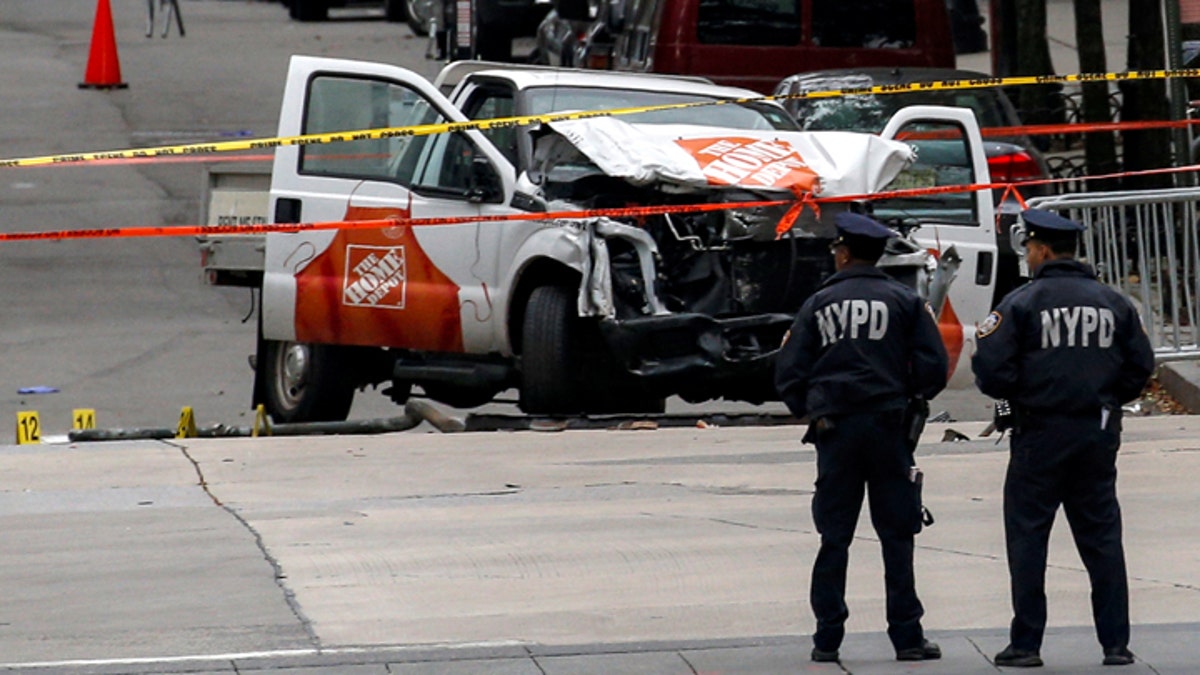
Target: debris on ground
point(1156, 400)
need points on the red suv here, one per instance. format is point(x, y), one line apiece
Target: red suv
point(756, 43)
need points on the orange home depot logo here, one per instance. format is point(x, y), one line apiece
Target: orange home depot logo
point(376, 276)
point(346, 294)
point(751, 162)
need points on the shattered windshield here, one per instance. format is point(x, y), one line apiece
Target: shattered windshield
point(763, 116)
point(870, 113)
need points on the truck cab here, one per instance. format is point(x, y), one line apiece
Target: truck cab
point(607, 313)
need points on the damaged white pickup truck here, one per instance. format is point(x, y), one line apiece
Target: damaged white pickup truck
point(597, 314)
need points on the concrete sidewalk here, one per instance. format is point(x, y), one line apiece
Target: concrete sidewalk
point(670, 551)
point(1163, 650)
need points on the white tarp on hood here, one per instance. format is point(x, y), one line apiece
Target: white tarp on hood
point(825, 163)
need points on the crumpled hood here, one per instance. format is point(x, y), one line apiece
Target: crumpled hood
point(824, 163)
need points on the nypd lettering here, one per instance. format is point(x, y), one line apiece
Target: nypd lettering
point(852, 319)
point(1078, 327)
point(376, 276)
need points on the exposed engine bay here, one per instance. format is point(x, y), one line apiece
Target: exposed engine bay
point(709, 293)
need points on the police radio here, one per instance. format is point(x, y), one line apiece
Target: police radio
point(1004, 418)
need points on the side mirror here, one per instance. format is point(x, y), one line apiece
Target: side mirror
point(572, 10)
point(485, 183)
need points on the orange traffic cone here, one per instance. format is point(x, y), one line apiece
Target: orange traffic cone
point(103, 68)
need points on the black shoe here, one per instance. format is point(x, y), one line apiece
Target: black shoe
point(821, 656)
point(1018, 658)
point(1117, 656)
point(928, 651)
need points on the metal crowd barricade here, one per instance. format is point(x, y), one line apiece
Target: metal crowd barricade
point(1146, 245)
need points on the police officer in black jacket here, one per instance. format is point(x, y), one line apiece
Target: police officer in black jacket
point(1065, 351)
point(861, 348)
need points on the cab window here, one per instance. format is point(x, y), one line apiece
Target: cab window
point(447, 165)
point(490, 103)
point(943, 160)
point(342, 104)
point(450, 168)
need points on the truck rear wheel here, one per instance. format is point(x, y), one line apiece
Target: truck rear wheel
point(305, 383)
point(551, 364)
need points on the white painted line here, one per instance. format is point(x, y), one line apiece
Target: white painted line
point(274, 654)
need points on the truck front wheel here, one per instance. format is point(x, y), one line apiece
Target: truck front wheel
point(305, 383)
point(551, 363)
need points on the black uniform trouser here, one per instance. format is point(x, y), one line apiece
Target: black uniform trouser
point(867, 449)
point(1073, 462)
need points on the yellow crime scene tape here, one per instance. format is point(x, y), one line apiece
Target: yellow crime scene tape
point(527, 120)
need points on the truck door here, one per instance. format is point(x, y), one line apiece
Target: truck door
point(949, 153)
point(397, 286)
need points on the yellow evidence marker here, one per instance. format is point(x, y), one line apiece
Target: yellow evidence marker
point(83, 418)
point(29, 428)
point(262, 422)
point(187, 424)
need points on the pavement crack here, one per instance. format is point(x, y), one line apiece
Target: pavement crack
point(691, 667)
point(979, 650)
point(289, 595)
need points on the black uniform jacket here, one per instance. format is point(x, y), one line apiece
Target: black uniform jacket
point(862, 342)
point(1063, 343)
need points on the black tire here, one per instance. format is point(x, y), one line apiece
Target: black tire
point(395, 11)
point(551, 363)
point(305, 383)
point(309, 10)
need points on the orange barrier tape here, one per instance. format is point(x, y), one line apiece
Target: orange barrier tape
point(797, 204)
point(619, 212)
point(1085, 127)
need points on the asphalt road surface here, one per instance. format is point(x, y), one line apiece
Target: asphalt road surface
point(127, 327)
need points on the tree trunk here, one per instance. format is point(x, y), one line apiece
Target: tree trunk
point(1099, 147)
point(1039, 104)
point(1145, 99)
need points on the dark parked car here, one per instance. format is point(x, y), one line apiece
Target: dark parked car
point(1011, 158)
point(318, 10)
